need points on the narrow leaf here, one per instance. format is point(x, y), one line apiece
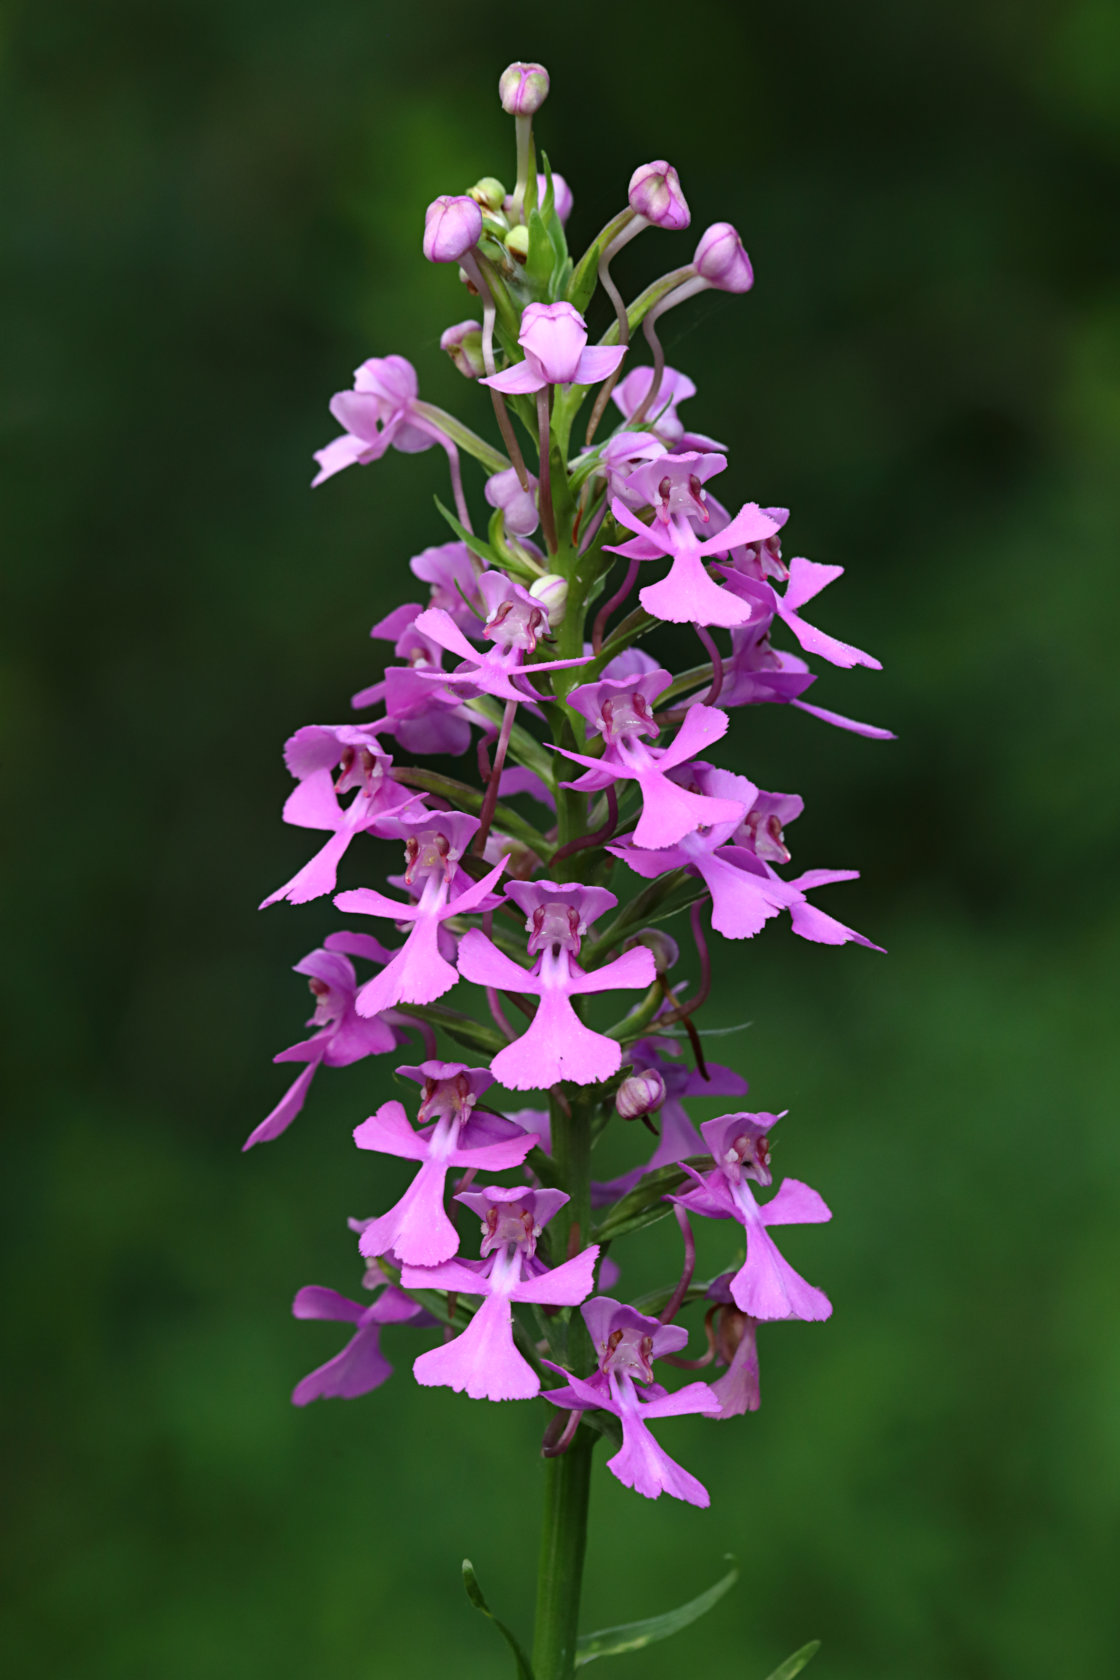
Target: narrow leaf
point(633, 1636)
point(474, 1593)
point(475, 544)
point(561, 279)
point(640, 1206)
point(637, 1221)
point(542, 254)
point(506, 558)
point(793, 1665)
point(473, 1034)
point(466, 798)
point(586, 275)
point(549, 204)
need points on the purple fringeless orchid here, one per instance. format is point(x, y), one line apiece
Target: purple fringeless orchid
point(540, 891)
point(361, 1365)
point(554, 339)
point(514, 624)
point(626, 1344)
point(417, 1230)
point(377, 415)
point(434, 846)
point(734, 860)
point(342, 1035)
point(673, 486)
point(766, 1286)
point(483, 1360)
point(621, 710)
point(365, 770)
point(422, 716)
point(557, 1044)
point(734, 1337)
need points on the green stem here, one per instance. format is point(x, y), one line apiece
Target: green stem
point(642, 305)
point(563, 1545)
point(568, 1478)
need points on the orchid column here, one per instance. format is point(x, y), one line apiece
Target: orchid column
point(564, 815)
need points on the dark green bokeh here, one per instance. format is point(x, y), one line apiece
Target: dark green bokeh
point(211, 214)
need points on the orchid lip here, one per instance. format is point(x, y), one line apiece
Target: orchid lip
point(627, 714)
point(555, 924)
point(427, 854)
point(622, 1352)
point(438, 1092)
point(507, 1224)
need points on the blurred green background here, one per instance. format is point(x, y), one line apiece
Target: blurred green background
point(211, 214)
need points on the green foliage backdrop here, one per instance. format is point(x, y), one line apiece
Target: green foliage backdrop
point(211, 214)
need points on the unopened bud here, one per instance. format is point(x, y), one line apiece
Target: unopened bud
point(521, 861)
point(664, 947)
point(523, 89)
point(655, 194)
point(551, 591)
point(517, 243)
point(463, 344)
point(452, 227)
point(489, 192)
point(518, 506)
point(721, 260)
point(640, 1093)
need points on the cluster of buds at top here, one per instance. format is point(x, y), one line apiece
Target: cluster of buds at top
point(586, 761)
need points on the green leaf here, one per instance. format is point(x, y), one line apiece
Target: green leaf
point(549, 203)
point(492, 459)
point(634, 1636)
point(461, 1028)
point(793, 1665)
point(475, 544)
point(561, 279)
point(474, 1593)
point(466, 798)
point(542, 253)
point(506, 558)
point(682, 898)
point(638, 913)
point(585, 278)
point(707, 1032)
point(641, 1206)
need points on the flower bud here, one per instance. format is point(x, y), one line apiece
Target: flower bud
point(655, 194)
point(452, 227)
point(523, 89)
point(640, 1093)
point(489, 193)
point(463, 344)
point(517, 243)
point(551, 591)
point(521, 861)
point(518, 506)
point(721, 260)
point(666, 951)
